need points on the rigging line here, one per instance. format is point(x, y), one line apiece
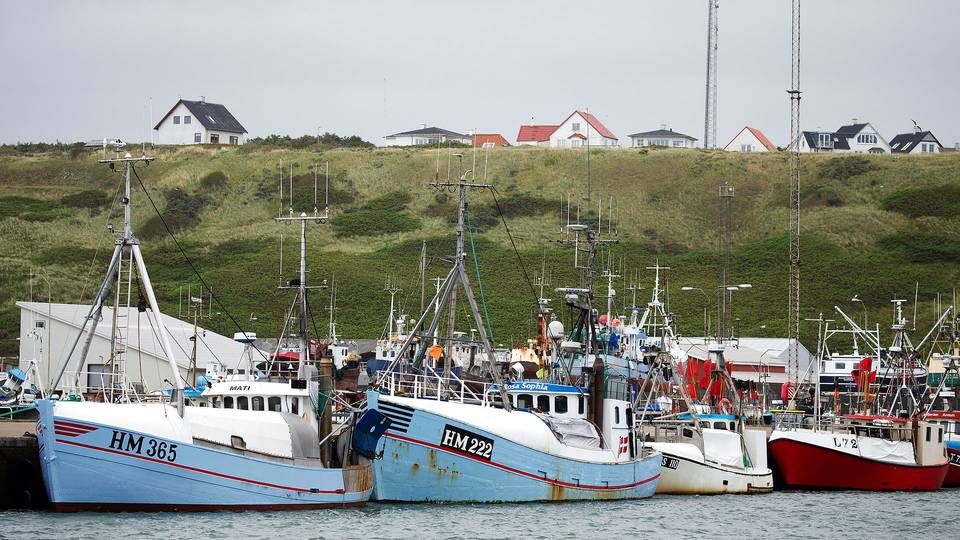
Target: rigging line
point(187, 258)
point(476, 267)
point(536, 298)
point(313, 320)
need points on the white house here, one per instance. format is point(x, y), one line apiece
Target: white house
point(579, 129)
point(427, 135)
point(664, 136)
point(199, 122)
point(852, 138)
point(47, 331)
point(750, 140)
point(918, 142)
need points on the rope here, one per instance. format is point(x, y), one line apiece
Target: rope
point(476, 267)
point(526, 276)
point(12, 412)
point(187, 258)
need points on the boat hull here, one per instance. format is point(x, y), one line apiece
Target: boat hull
point(682, 475)
point(953, 472)
point(804, 465)
point(91, 466)
point(415, 466)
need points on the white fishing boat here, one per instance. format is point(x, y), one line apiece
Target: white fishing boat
point(163, 455)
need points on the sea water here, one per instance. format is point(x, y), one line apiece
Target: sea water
point(838, 514)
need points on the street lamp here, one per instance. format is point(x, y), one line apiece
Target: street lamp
point(856, 298)
point(706, 314)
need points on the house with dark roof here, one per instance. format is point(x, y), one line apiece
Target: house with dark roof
point(581, 128)
point(426, 135)
point(665, 137)
point(852, 138)
point(918, 142)
point(750, 139)
point(199, 122)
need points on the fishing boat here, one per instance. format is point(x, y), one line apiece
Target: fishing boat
point(162, 455)
point(450, 440)
point(890, 449)
point(705, 450)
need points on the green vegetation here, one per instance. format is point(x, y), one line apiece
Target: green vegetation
point(940, 200)
point(874, 226)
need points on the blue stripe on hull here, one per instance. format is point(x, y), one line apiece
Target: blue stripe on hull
point(414, 467)
point(80, 470)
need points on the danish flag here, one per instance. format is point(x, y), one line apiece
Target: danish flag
point(624, 445)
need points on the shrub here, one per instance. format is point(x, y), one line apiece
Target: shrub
point(820, 196)
point(181, 213)
point(843, 168)
point(395, 201)
point(941, 201)
point(922, 247)
point(30, 209)
point(214, 181)
point(367, 222)
point(92, 199)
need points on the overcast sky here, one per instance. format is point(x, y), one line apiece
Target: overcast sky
point(86, 70)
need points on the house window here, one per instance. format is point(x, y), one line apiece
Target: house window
point(746, 148)
point(678, 143)
point(214, 138)
point(186, 119)
point(575, 126)
point(197, 138)
point(866, 138)
point(176, 119)
point(234, 139)
point(824, 140)
point(575, 143)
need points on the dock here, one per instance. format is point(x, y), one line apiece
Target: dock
point(20, 473)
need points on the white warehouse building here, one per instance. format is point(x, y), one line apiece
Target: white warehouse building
point(199, 122)
point(48, 331)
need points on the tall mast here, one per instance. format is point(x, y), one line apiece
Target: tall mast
point(127, 245)
point(710, 106)
point(793, 324)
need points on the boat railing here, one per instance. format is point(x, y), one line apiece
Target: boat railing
point(105, 386)
point(436, 386)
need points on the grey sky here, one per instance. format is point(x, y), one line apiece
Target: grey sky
point(85, 70)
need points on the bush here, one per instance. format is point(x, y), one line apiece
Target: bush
point(214, 181)
point(181, 213)
point(303, 194)
point(327, 140)
point(30, 209)
point(395, 201)
point(922, 247)
point(92, 199)
point(843, 168)
point(819, 196)
point(367, 222)
point(940, 201)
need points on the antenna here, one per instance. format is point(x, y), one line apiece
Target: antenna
point(793, 326)
point(710, 108)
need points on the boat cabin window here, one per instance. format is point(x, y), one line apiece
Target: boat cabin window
point(216, 402)
point(841, 365)
point(524, 401)
point(257, 403)
point(295, 405)
point(629, 417)
point(580, 405)
point(720, 425)
point(687, 433)
point(861, 431)
point(705, 424)
point(543, 403)
point(273, 403)
point(560, 404)
point(939, 434)
point(616, 415)
point(227, 402)
point(928, 433)
point(243, 403)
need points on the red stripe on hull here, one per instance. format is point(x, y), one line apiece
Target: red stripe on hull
point(112, 507)
point(807, 466)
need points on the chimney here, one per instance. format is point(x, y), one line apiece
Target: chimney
point(203, 99)
point(854, 121)
point(663, 127)
point(956, 146)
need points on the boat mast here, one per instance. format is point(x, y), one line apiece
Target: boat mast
point(127, 244)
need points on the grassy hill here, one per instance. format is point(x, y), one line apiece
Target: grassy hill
point(874, 226)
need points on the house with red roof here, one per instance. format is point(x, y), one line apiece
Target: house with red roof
point(489, 140)
point(579, 129)
point(750, 139)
